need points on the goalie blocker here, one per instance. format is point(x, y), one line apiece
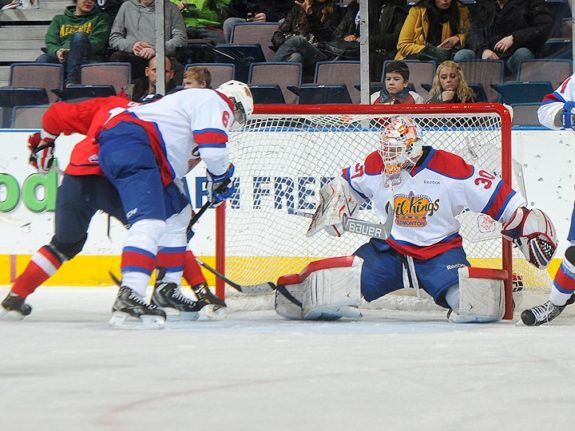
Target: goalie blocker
point(330, 289)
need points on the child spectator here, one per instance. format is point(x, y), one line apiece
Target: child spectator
point(197, 77)
point(449, 85)
point(396, 89)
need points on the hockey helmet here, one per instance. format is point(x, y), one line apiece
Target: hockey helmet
point(401, 144)
point(241, 97)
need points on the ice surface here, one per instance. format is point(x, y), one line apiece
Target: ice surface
point(63, 368)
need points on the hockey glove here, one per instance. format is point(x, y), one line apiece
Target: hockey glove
point(217, 190)
point(569, 115)
point(534, 234)
point(41, 152)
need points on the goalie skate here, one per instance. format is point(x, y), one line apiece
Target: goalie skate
point(130, 311)
point(211, 306)
point(177, 306)
point(14, 308)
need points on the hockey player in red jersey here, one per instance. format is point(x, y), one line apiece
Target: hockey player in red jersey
point(84, 191)
point(420, 190)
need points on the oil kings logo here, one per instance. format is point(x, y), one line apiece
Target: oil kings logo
point(413, 210)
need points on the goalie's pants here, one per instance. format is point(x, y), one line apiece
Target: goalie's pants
point(77, 200)
point(382, 271)
point(128, 161)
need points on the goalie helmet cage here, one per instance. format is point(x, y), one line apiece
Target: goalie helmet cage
point(285, 153)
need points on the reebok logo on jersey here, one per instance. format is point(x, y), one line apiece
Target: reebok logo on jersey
point(434, 182)
point(413, 210)
point(131, 212)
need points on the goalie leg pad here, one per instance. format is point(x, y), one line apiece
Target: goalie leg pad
point(327, 289)
point(481, 296)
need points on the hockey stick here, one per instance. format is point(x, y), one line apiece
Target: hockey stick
point(362, 227)
point(266, 287)
point(22, 224)
point(205, 207)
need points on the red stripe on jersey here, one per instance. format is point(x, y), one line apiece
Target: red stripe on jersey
point(425, 252)
point(210, 136)
point(450, 165)
point(564, 281)
point(153, 138)
point(373, 164)
point(503, 193)
point(136, 261)
point(564, 85)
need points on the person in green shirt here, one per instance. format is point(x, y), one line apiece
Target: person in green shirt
point(203, 18)
point(76, 37)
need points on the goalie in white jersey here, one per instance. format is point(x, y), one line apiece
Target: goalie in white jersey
point(557, 111)
point(144, 152)
point(426, 189)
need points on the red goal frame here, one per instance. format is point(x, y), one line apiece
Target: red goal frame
point(479, 108)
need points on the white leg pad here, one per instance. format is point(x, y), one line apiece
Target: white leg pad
point(481, 296)
point(325, 290)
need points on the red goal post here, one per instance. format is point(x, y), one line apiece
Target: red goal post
point(287, 152)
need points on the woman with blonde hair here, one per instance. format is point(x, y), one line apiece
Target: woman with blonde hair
point(450, 86)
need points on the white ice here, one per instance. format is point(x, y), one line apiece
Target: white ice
point(63, 368)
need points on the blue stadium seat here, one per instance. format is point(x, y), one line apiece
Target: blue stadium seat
point(240, 55)
point(513, 92)
point(265, 94)
point(312, 94)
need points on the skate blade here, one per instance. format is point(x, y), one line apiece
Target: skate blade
point(10, 315)
point(121, 320)
point(174, 315)
point(214, 312)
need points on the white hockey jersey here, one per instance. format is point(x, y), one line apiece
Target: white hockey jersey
point(183, 122)
point(428, 198)
point(552, 104)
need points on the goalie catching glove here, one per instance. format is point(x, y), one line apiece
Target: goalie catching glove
point(534, 234)
point(220, 187)
point(41, 152)
point(335, 201)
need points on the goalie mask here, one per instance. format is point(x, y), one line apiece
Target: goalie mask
point(401, 145)
point(241, 97)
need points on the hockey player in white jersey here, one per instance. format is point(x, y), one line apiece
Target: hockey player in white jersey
point(144, 152)
point(423, 190)
point(557, 111)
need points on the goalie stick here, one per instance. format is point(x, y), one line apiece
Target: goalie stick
point(362, 227)
point(266, 287)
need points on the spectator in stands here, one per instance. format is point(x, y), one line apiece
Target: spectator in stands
point(449, 85)
point(509, 30)
point(436, 30)
point(76, 38)
point(396, 88)
point(197, 77)
point(307, 24)
point(133, 35)
point(384, 32)
point(145, 87)
point(203, 18)
point(239, 11)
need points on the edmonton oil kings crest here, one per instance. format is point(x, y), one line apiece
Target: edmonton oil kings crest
point(413, 210)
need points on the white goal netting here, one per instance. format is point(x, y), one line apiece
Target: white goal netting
point(282, 160)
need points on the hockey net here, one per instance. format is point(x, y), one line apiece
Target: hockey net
point(286, 153)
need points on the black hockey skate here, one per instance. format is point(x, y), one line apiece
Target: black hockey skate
point(170, 297)
point(544, 313)
point(14, 307)
point(211, 305)
point(129, 304)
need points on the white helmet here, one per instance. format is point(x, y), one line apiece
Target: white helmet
point(241, 96)
point(401, 145)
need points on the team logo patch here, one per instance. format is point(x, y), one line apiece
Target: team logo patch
point(412, 210)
